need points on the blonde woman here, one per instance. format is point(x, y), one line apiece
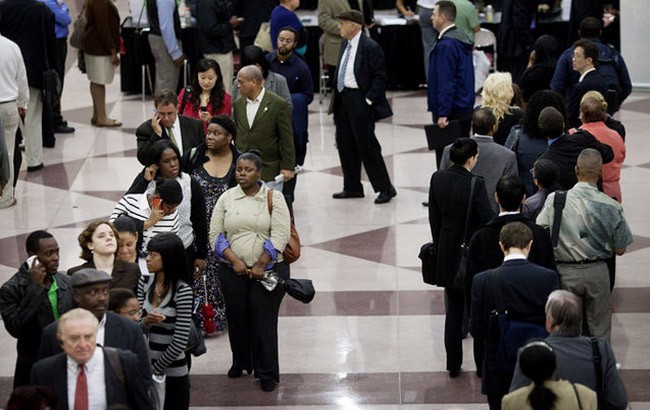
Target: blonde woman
point(497, 94)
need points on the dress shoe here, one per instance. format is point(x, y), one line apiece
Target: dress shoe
point(385, 196)
point(454, 373)
point(36, 168)
point(346, 194)
point(268, 384)
point(425, 203)
point(63, 128)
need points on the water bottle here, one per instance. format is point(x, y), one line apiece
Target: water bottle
point(489, 13)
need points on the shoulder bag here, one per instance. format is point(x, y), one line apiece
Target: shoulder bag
point(461, 271)
point(291, 252)
point(78, 28)
point(263, 38)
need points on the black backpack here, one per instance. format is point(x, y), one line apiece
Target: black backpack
point(607, 66)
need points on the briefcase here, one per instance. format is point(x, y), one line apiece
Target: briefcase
point(439, 138)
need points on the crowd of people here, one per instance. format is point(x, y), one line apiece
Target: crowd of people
point(525, 214)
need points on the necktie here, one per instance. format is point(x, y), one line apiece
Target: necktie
point(172, 137)
point(340, 82)
point(81, 392)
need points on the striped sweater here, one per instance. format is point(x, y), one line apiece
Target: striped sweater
point(136, 206)
point(168, 340)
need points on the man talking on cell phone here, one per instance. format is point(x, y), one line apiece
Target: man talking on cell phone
point(166, 123)
point(32, 298)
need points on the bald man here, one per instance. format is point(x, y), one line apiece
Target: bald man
point(592, 228)
point(264, 123)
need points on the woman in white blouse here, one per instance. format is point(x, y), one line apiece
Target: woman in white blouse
point(250, 240)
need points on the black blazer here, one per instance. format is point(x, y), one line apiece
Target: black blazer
point(125, 274)
point(22, 22)
point(52, 372)
point(485, 253)
point(593, 81)
point(526, 287)
point(448, 198)
point(564, 152)
point(370, 73)
point(119, 332)
point(192, 134)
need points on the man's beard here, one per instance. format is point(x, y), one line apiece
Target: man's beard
point(283, 51)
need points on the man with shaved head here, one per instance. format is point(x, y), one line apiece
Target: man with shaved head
point(592, 228)
point(264, 123)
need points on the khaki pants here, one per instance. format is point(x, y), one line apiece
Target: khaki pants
point(591, 283)
point(9, 119)
point(33, 134)
point(226, 65)
point(167, 73)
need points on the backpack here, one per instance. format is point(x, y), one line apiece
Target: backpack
point(607, 66)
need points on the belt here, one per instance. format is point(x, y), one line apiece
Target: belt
point(583, 262)
point(348, 90)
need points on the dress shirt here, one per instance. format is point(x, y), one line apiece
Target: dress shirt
point(13, 76)
point(252, 106)
point(94, 369)
point(582, 77)
point(62, 18)
point(508, 213)
point(349, 80)
point(514, 256)
point(427, 4)
point(101, 331)
point(178, 137)
point(166, 20)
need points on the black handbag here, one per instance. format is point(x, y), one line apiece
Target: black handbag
point(461, 271)
point(51, 81)
point(429, 257)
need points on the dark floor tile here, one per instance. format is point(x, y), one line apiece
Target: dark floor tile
point(338, 171)
point(60, 175)
point(642, 106)
point(438, 387)
point(636, 384)
point(110, 195)
point(631, 300)
point(128, 153)
point(12, 252)
point(376, 246)
point(422, 302)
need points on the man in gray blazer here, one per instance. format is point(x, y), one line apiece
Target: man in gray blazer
point(494, 160)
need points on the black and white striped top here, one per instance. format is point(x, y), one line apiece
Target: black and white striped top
point(168, 340)
point(136, 206)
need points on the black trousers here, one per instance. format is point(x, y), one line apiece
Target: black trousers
point(252, 315)
point(454, 311)
point(23, 370)
point(465, 124)
point(357, 143)
point(177, 393)
point(61, 53)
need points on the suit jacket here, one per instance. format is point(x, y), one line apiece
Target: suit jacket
point(370, 73)
point(448, 198)
point(30, 24)
point(485, 253)
point(125, 274)
point(52, 372)
point(526, 287)
point(327, 12)
point(120, 333)
point(565, 150)
point(494, 162)
point(271, 133)
point(192, 134)
point(593, 81)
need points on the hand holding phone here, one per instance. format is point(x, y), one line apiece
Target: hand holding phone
point(36, 270)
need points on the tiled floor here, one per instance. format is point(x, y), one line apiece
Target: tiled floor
point(372, 337)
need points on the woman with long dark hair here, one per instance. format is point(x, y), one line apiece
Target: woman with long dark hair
point(250, 228)
point(208, 97)
point(166, 300)
point(526, 140)
point(541, 66)
point(537, 362)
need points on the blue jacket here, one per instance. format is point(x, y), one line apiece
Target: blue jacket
point(451, 75)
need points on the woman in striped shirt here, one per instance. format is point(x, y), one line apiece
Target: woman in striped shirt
point(166, 301)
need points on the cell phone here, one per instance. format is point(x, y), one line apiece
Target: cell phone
point(32, 261)
point(240, 19)
point(203, 108)
point(156, 202)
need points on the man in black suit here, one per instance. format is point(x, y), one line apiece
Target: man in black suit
point(185, 132)
point(91, 292)
point(359, 100)
point(102, 377)
point(525, 288)
point(449, 202)
point(564, 148)
point(484, 251)
point(585, 55)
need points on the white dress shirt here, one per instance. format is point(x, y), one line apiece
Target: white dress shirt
point(349, 80)
point(514, 256)
point(252, 106)
point(95, 378)
point(101, 331)
point(582, 77)
point(13, 76)
point(178, 137)
point(444, 30)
